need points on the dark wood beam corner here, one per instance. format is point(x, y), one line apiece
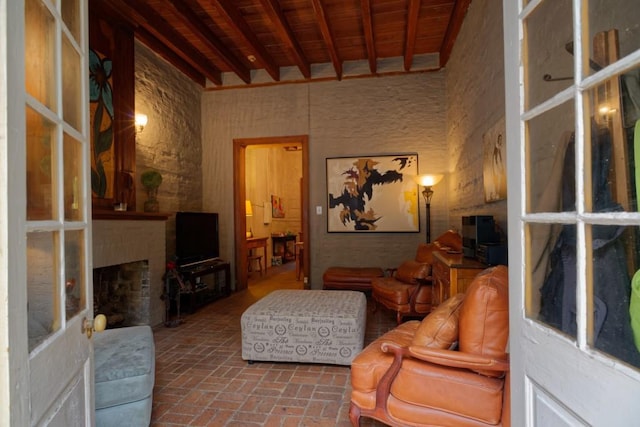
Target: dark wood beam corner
point(170, 56)
point(455, 23)
point(327, 36)
point(230, 13)
point(284, 32)
point(412, 29)
point(367, 26)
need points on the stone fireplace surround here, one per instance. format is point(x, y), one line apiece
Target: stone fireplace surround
point(123, 241)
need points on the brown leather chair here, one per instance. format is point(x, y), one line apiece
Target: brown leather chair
point(416, 375)
point(407, 290)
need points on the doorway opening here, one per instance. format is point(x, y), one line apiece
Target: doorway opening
point(241, 202)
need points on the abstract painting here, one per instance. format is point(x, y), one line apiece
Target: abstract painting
point(373, 194)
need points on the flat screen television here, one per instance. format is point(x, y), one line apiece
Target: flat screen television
point(197, 237)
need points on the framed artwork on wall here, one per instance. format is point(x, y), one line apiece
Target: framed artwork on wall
point(277, 209)
point(494, 167)
point(372, 194)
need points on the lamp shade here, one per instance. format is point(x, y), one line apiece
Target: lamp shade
point(248, 208)
point(429, 179)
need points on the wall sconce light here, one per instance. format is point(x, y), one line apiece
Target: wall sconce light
point(428, 181)
point(141, 122)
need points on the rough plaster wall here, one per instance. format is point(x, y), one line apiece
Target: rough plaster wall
point(170, 143)
point(386, 115)
point(475, 102)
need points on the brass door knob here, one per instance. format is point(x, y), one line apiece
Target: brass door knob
point(98, 324)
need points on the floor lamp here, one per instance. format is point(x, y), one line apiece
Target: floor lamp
point(428, 181)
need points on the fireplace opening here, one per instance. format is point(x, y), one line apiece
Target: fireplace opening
point(121, 293)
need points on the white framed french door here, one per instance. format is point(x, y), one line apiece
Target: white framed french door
point(47, 376)
point(572, 73)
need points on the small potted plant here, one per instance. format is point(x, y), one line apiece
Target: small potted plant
point(151, 180)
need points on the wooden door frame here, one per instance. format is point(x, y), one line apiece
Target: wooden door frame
point(239, 196)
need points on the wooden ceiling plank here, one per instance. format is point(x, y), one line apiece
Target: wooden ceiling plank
point(170, 56)
point(229, 11)
point(412, 29)
point(159, 28)
point(367, 25)
point(206, 36)
point(455, 23)
point(328, 37)
point(272, 8)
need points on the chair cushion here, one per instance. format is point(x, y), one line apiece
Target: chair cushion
point(124, 365)
point(484, 315)
point(392, 290)
point(411, 271)
point(440, 328)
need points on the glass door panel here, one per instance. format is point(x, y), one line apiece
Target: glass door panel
point(549, 137)
point(41, 142)
point(72, 106)
point(75, 297)
point(42, 287)
point(549, 66)
point(40, 59)
point(71, 16)
point(73, 182)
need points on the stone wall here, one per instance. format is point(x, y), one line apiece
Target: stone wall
point(171, 141)
point(385, 115)
point(474, 103)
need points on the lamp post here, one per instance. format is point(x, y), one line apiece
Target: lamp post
point(428, 181)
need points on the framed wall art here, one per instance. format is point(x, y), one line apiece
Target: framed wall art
point(494, 164)
point(372, 194)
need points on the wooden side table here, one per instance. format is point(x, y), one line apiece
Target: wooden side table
point(452, 274)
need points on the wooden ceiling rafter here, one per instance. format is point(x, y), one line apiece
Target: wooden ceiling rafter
point(170, 56)
point(328, 37)
point(367, 26)
point(455, 23)
point(275, 14)
point(165, 33)
point(230, 13)
point(209, 39)
point(413, 14)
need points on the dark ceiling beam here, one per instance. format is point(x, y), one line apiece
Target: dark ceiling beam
point(327, 36)
point(230, 13)
point(272, 8)
point(208, 37)
point(160, 29)
point(412, 29)
point(455, 23)
point(367, 26)
point(170, 56)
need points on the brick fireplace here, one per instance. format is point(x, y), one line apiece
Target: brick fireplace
point(132, 245)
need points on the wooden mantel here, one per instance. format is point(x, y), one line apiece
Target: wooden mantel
point(130, 215)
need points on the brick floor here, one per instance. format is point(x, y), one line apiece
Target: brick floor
point(201, 379)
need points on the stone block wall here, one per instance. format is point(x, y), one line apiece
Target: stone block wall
point(474, 103)
point(171, 141)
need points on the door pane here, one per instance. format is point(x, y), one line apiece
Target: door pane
point(72, 106)
point(40, 53)
point(75, 299)
point(72, 179)
point(550, 140)
point(41, 136)
point(547, 32)
point(42, 287)
point(613, 31)
point(71, 16)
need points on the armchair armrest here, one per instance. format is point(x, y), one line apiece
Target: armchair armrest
point(457, 359)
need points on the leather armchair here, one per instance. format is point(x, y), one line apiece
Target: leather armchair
point(407, 290)
point(416, 375)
